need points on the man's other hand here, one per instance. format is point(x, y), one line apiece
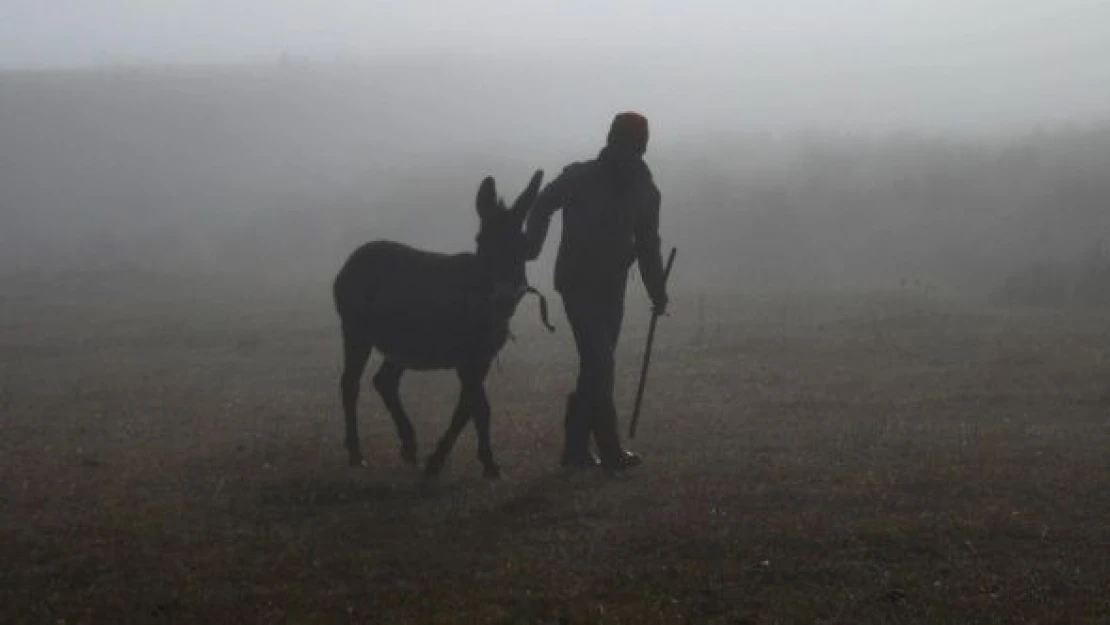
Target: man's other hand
point(659, 307)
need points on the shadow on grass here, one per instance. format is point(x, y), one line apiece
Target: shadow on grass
point(541, 496)
point(344, 492)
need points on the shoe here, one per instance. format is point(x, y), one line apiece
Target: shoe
point(624, 460)
point(613, 455)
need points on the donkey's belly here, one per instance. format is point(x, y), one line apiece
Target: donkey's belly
point(429, 346)
point(422, 359)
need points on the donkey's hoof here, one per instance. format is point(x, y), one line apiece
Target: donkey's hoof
point(434, 466)
point(491, 472)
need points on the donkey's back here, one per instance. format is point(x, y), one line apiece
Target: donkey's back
point(409, 303)
point(388, 270)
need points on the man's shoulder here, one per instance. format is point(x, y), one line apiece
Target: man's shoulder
point(588, 173)
point(574, 177)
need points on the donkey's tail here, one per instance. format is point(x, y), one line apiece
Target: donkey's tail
point(349, 292)
point(364, 275)
point(340, 293)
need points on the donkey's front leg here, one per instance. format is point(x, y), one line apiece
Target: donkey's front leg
point(447, 441)
point(481, 414)
point(473, 388)
point(472, 403)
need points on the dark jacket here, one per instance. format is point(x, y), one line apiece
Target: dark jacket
point(610, 218)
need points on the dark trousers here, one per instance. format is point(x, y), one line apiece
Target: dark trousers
point(595, 316)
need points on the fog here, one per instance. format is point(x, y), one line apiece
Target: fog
point(882, 392)
point(821, 145)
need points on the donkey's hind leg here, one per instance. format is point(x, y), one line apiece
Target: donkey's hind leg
point(356, 351)
point(388, 383)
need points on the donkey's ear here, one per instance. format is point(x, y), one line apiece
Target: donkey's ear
point(528, 196)
point(486, 201)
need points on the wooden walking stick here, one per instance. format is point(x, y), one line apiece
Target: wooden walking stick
point(647, 353)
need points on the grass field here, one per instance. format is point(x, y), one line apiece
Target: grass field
point(173, 454)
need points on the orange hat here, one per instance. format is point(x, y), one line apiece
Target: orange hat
point(629, 130)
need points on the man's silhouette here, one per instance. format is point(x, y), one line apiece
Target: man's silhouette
point(610, 219)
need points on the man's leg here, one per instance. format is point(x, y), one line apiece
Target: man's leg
point(576, 449)
point(610, 317)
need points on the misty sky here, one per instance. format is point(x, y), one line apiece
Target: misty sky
point(69, 32)
point(917, 61)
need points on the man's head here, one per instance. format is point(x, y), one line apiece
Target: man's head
point(629, 131)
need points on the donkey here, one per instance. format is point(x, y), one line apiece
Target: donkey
point(430, 311)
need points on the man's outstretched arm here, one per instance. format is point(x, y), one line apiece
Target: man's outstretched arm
point(648, 253)
point(550, 199)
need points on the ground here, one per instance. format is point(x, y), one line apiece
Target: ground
point(172, 453)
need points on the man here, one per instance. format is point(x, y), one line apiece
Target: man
point(610, 219)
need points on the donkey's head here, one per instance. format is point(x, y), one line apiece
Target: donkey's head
point(502, 248)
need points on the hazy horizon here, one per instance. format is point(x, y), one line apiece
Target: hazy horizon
point(299, 130)
point(982, 64)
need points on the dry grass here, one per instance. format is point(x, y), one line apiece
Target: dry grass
point(176, 457)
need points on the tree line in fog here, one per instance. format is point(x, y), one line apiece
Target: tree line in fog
point(284, 172)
